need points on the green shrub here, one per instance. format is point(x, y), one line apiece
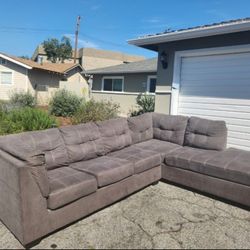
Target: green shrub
point(22, 99)
point(25, 119)
point(64, 103)
point(96, 111)
point(145, 103)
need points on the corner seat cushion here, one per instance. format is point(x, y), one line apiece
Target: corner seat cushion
point(170, 128)
point(158, 146)
point(142, 159)
point(206, 134)
point(141, 127)
point(82, 141)
point(115, 134)
point(106, 170)
point(68, 185)
point(231, 164)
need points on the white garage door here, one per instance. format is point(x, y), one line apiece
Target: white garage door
point(218, 87)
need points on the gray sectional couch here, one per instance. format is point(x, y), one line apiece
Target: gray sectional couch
point(51, 178)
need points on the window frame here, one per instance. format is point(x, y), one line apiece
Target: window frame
point(148, 83)
point(3, 60)
point(112, 78)
point(6, 84)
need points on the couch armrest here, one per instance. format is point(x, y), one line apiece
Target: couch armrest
point(23, 209)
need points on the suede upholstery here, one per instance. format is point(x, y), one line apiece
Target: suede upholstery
point(162, 147)
point(169, 128)
point(206, 134)
point(231, 164)
point(67, 185)
point(24, 145)
point(115, 134)
point(82, 141)
point(106, 169)
point(142, 159)
point(51, 178)
point(141, 127)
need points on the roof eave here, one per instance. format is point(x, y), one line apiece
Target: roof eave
point(189, 34)
point(122, 72)
point(15, 61)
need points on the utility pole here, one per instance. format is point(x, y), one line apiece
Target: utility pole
point(76, 36)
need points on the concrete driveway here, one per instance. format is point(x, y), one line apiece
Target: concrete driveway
point(161, 216)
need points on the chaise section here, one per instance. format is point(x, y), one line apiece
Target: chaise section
point(142, 159)
point(158, 146)
point(106, 170)
point(68, 185)
point(231, 164)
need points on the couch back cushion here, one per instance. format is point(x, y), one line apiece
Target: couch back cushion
point(206, 134)
point(141, 127)
point(29, 146)
point(169, 128)
point(82, 141)
point(115, 134)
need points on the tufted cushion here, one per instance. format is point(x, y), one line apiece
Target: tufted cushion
point(82, 141)
point(206, 134)
point(141, 127)
point(106, 169)
point(231, 164)
point(115, 134)
point(169, 128)
point(142, 159)
point(25, 145)
point(68, 185)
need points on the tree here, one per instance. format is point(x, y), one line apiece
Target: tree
point(24, 57)
point(58, 51)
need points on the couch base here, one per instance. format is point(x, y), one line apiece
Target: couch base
point(221, 188)
point(103, 197)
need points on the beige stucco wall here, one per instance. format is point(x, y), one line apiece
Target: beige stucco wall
point(89, 63)
point(19, 80)
point(127, 101)
point(77, 84)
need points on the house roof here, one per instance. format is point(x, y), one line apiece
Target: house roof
point(92, 52)
point(149, 65)
point(225, 27)
point(59, 68)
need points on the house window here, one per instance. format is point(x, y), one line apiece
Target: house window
point(2, 61)
point(6, 78)
point(151, 84)
point(113, 84)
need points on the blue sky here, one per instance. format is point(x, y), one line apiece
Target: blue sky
point(105, 24)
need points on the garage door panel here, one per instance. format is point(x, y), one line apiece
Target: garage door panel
point(218, 87)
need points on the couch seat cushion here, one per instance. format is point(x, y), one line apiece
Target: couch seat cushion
point(162, 147)
point(68, 185)
point(142, 159)
point(231, 164)
point(107, 170)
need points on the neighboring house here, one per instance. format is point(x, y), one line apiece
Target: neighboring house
point(205, 71)
point(91, 58)
point(17, 74)
point(123, 83)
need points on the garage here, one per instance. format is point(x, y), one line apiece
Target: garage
point(204, 71)
point(215, 84)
